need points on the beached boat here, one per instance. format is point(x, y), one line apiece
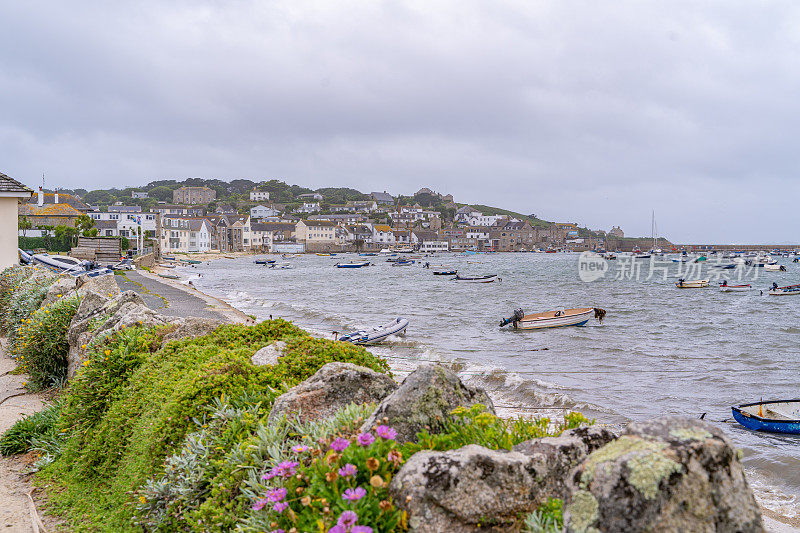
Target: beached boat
point(377, 334)
point(353, 264)
point(776, 416)
point(191, 261)
point(735, 288)
point(691, 284)
point(789, 290)
point(488, 278)
point(64, 264)
point(445, 272)
point(168, 276)
point(774, 267)
point(553, 319)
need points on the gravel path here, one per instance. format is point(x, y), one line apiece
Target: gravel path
point(167, 299)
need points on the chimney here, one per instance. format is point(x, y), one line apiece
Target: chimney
point(41, 197)
point(55, 199)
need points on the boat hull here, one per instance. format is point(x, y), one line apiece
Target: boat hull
point(735, 288)
point(480, 279)
point(352, 265)
point(693, 284)
point(789, 422)
point(377, 335)
point(573, 317)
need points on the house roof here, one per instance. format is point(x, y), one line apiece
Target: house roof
point(123, 208)
point(382, 196)
point(10, 185)
point(277, 226)
point(426, 235)
point(382, 227)
point(51, 210)
point(515, 225)
point(328, 223)
point(105, 224)
point(50, 198)
point(466, 210)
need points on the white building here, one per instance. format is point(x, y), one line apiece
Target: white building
point(185, 235)
point(138, 194)
point(261, 211)
point(127, 224)
point(382, 234)
point(308, 207)
point(311, 195)
point(12, 193)
point(259, 196)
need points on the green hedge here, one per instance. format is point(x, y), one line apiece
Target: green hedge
point(50, 243)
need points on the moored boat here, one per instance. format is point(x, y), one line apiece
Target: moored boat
point(402, 262)
point(488, 278)
point(774, 267)
point(553, 319)
point(264, 261)
point(776, 416)
point(789, 290)
point(724, 287)
point(353, 264)
point(377, 334)
point(691, 284)
point(445, 272)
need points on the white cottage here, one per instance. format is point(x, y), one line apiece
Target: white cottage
point(11, 192)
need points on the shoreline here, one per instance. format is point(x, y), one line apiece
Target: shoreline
point(773, 521)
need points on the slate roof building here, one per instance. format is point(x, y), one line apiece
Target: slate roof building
point(12, 193)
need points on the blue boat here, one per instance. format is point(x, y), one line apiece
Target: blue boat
point(402, 262)
point(264, 261)
point(775, 416)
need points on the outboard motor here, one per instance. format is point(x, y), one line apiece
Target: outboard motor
point(513, 319)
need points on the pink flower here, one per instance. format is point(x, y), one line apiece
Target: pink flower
point(269, 475)
point(354, 495)
point(276, 495)
point(260, 503)
point(348, 470)
point(337, 529)
point(281, 531)
point(339, 444)
point(347, 519)
point(279, 507)
point(361, 529)
point(365, 439)
point(385, 432)
point(284, 469)
point(300, 449)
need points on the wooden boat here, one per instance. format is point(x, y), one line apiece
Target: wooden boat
point(777, 416)
point(488, 278)
point(445, 272)
point(691, 284)
point(377, 334)
point(323, 255)
point(353, 264)
point(789, 290)
point(402, 262)
point(264, 261)
point(553, 319)
point(735, 288)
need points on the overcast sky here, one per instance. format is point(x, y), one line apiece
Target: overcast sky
point(592, 112)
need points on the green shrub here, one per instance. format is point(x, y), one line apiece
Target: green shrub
point(23, 435)
point(23, 302)
point(548, 518)
point(41, 343)
point(10, 279)
point(478, 426)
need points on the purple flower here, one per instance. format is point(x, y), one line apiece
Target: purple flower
point(347, 519)
point(365, 439)
point(348, 470)
point(269, 475)
point(282, 531)
point(339, 444)
point(260, 503)
point(300, 449)
point(285, 469)
point(276, 495)
point(279, 507)
point(385, 432)
point(361, 529)
point(337, 529)
point(355, 494)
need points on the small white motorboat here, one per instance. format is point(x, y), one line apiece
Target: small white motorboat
point(553, 319)
point(774, 267)
point(691, 284)
point(281, 266)
point(724, 287)
point(70, 265)
point(377, 334)
point(789, 290)
point(353, 264)
point(488, 278)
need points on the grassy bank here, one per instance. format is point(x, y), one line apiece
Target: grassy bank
point(173, 436)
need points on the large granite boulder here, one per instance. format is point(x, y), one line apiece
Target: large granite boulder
point(425, 399)
point(269, 354)
point(63, 286)
point(476, 489)
point(671, 474)
point(332, 387)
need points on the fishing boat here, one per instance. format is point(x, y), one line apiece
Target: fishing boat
point(377, 334)
point(402, 262)
point(281, 266)
point(774, 267)
point(488, 278)
point(64, 264)
point(776, 416)
point(264, 261)
point(641, 256)
point(691, 284)
point(553, 319)
point(724, 287)
point(784, 291)
point(323, 255)
point(368, 254)
point(445, 272)
point(353, 264)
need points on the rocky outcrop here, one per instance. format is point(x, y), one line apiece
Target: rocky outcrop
point(64, 285)
point(331, 388)
point(192, 327)
point(269, 354)
point(425, 399)
point(669, 475)
point(477, 489)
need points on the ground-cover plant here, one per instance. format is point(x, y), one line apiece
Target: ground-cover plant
point(27, 433)
point(548, 518)
point(329, 477)
point(41, 343)
point(23, 301)
point(132, 405)
point(478, 426)
point(10, 280)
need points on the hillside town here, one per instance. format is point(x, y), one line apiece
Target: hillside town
point(197, 219)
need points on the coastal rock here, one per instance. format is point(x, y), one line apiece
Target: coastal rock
point(468, 489)
point(269, 354)
point(64, 285)
point(425, 399)
point(555, 457)
point(105, 285)
point(671, 474)
point(332, 387)
point(192, 327)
